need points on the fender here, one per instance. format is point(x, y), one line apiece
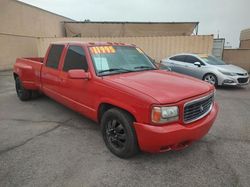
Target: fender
point(118, 104)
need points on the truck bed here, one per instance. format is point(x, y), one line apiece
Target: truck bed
point(34, 59)
point(30, 71)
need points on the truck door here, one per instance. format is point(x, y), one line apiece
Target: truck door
point(76, 92)
point(50, 74)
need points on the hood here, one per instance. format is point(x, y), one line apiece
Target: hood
point(165, 87)
point(231, 68)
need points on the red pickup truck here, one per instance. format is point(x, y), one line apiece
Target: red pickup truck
point(138, 106)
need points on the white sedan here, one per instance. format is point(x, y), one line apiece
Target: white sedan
point(207, 68)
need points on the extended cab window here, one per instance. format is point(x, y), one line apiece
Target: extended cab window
point(75, 59)
point(54, 56)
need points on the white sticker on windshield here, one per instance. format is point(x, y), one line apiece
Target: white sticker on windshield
point(101, 63)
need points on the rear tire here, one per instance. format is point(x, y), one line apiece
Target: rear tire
point(118, 133)
point(22, 93)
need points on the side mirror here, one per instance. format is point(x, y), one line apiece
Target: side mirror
point(78, 74)
point(197, 64)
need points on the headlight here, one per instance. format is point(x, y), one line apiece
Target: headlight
point(164, 114)
point(228, 73)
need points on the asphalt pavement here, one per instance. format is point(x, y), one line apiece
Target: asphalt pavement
point(42, 143)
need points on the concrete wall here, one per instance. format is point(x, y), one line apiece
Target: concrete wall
point(239, 57)
point(157, 47)
point(21, 25)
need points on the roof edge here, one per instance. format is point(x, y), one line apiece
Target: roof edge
point(130, 22)
point(32, 6)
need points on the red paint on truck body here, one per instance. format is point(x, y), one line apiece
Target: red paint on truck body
point(135, 92)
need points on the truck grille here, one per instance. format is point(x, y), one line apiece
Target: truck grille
point(196, 109)
point(242, 80)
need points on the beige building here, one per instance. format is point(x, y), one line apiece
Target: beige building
point(130, 29)
point(245, 39)
point(240, 56)
point(27, 31)
point(21, 26)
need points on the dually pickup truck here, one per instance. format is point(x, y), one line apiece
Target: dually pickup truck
point(138, 106)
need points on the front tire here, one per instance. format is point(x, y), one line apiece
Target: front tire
point(211, 78)
point(118, 133)
point(22, 93)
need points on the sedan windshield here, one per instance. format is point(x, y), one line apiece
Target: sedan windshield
point(119, 59)
point(213, 60)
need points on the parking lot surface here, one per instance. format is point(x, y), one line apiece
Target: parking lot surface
point(42, 143)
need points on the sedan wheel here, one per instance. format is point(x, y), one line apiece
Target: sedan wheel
point(210, 78)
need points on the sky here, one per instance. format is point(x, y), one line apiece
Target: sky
point(224, 17)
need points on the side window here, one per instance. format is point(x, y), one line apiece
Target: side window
point(192, 59)
point(75, 59)
point(180, 58)
point(54, 56)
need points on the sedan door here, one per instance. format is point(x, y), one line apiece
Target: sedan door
point(176, 63)
point(191, 69)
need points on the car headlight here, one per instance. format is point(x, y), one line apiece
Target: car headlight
point(164, 114)
point(228, 73)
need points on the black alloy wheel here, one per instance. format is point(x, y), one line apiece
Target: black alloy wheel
point(22, 93)
point(119, 133)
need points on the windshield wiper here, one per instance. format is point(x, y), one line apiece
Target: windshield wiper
point(143, 67)
point(115, 69)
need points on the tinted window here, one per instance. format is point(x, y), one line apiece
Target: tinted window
point(213, 60)
point(178, 58)
point(54, 56)
point(75, 59)
point(191, 59)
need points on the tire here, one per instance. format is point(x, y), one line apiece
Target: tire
point(35, 94)
point(211, 78)
point(118, 133)
point(22, 93)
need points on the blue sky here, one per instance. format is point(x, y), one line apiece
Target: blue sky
point(228, 17)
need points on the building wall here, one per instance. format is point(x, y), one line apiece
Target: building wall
point(12, 47)
point(129, 29)
point(245, 44)
point(239, 57)
point(245, 39)
point(21, 25)
point(156, 47)
point(245, 34)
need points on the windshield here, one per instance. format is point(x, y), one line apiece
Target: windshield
point(213, 60)
point(119, 59)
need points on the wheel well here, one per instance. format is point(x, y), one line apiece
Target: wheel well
point(106, 106)
point(15, 75)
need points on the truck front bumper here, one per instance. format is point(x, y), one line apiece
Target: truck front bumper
point(173, 136)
